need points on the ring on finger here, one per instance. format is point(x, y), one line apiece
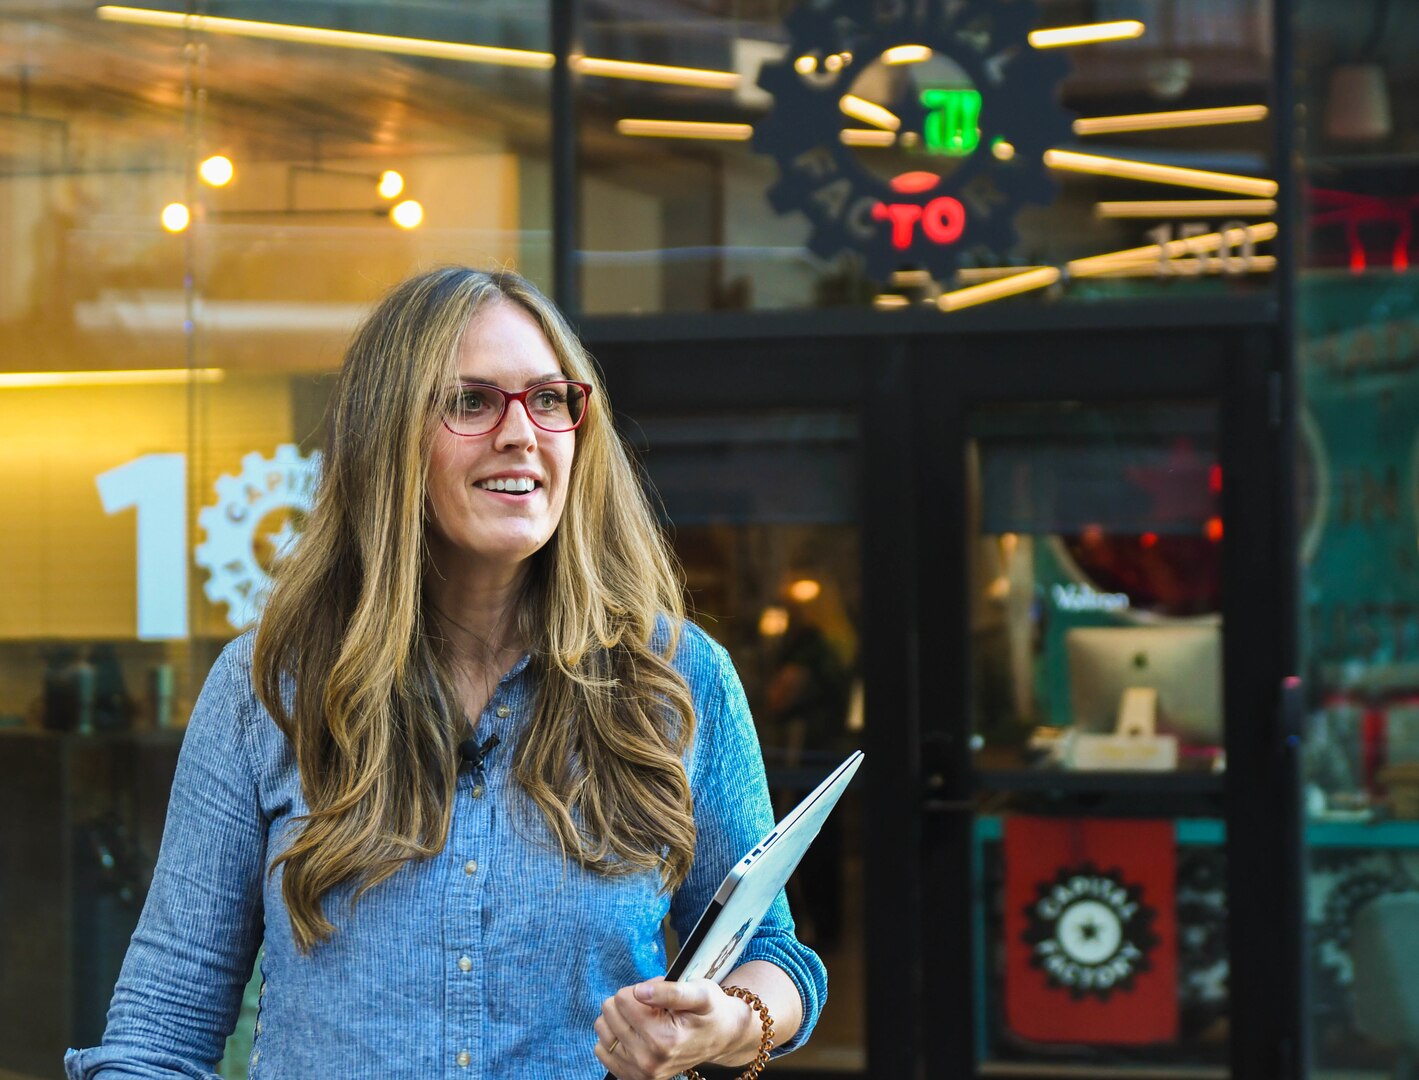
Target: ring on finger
point(612, 1048)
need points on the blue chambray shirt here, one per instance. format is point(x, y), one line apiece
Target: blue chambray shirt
point(488, 960)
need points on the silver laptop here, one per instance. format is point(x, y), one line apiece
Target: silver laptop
point(742, 901)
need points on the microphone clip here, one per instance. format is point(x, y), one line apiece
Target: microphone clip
point(473, 753)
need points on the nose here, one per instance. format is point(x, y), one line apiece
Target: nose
point(515, 428)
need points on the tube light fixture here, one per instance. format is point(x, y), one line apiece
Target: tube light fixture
point(890, 301)
point(319, 35)
point(37, 380)
point(684, 129)
point(1038, 278)
point(907, 54)
point(1097, 265)
point(1159, 121)
point(869, 112)
point(1180, 208)
point(1256, 264)
point(867, 137)
point(408, 46)
point(656, 73)
point(974, 275)
point(1089, 34)
point(1070, 161)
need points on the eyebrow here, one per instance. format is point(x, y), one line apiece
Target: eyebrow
point(555, 376)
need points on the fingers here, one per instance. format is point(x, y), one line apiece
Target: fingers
point(697, 996)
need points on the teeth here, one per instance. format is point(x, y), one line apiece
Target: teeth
point(521, 485)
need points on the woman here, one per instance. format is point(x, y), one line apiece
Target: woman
point(481, 573)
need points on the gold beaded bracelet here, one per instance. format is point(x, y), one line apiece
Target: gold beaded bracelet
point(765, 1044)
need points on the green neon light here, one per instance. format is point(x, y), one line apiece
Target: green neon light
point(951, 121)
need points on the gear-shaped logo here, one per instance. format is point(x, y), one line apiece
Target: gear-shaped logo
point(257, 517)
point(1090, 932)
point(912, 131)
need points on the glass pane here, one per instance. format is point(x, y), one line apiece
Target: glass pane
point(1094, 544)
point(814, 155)
point(1095, 571)
point(1357, 459)
point(763, 513)
point(166, 340)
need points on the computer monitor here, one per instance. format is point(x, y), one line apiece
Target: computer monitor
point(1182, 662)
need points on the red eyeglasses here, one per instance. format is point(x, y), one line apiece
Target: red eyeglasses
point(478, 408)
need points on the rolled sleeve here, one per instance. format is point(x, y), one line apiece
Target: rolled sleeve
point(179, 991)
point(732, 813)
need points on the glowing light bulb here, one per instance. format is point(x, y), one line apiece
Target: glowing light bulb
point(407, 215)
point(390, 184)
point(804, 590)
point(175, 217)
point(217, 170)
point(805, 65)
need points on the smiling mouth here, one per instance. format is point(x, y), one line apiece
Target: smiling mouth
point(522, 485)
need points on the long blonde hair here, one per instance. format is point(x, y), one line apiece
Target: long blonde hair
point(351, 669)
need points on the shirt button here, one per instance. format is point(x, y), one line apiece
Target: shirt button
point(478, 791)
point(504, 711)
point(470, 866)
point(464, 1058)
point(465, 964)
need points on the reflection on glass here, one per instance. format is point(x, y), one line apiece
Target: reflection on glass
point(1096, 587)
point(763, 512)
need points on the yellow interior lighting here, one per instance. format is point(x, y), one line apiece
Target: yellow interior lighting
point(656, 73)
point(974, 275)
point(805, 590)
point(176, 217)
point(907, 54)
point(889, 302)
point(684, 129)
point(319, 35)
point(407, 215)
point(35, 380)
point(911, 278)
point(1089, 34)
point(1180, 118)
point(1098, 265)
point(866, 137)
point(1038, 278)
point(805, 64)
point(391, 184)
point(1181, 208)
point(869, 112)
point(1257, 264)
point(1070, 161)
point(408, 46)
point(217, 170)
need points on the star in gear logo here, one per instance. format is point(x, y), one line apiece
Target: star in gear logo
point(1090, 932)
point(912, 131)
point(256, 520)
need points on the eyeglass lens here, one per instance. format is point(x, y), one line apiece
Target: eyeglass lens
point(553, 406)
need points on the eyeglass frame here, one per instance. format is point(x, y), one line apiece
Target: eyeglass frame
point(520, 396)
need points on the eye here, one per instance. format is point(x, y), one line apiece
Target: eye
point(549, 399)
point(471, 399)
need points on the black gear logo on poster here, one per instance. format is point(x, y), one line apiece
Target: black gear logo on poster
point(952, 86)
point(1089, 932)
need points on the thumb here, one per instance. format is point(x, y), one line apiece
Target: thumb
point(692, 997)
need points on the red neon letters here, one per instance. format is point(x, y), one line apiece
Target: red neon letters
point(942, 220)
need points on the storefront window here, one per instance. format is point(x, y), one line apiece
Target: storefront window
point(814, 155)
point(1358, 463)
point(195, 213)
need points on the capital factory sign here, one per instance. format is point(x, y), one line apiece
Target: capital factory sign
point(912, 131)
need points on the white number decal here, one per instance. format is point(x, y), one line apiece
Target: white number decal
point(156, 484)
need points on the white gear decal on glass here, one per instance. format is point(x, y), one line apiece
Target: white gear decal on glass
point(257, 517)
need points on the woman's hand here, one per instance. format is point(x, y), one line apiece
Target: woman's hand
point(656, 1030)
